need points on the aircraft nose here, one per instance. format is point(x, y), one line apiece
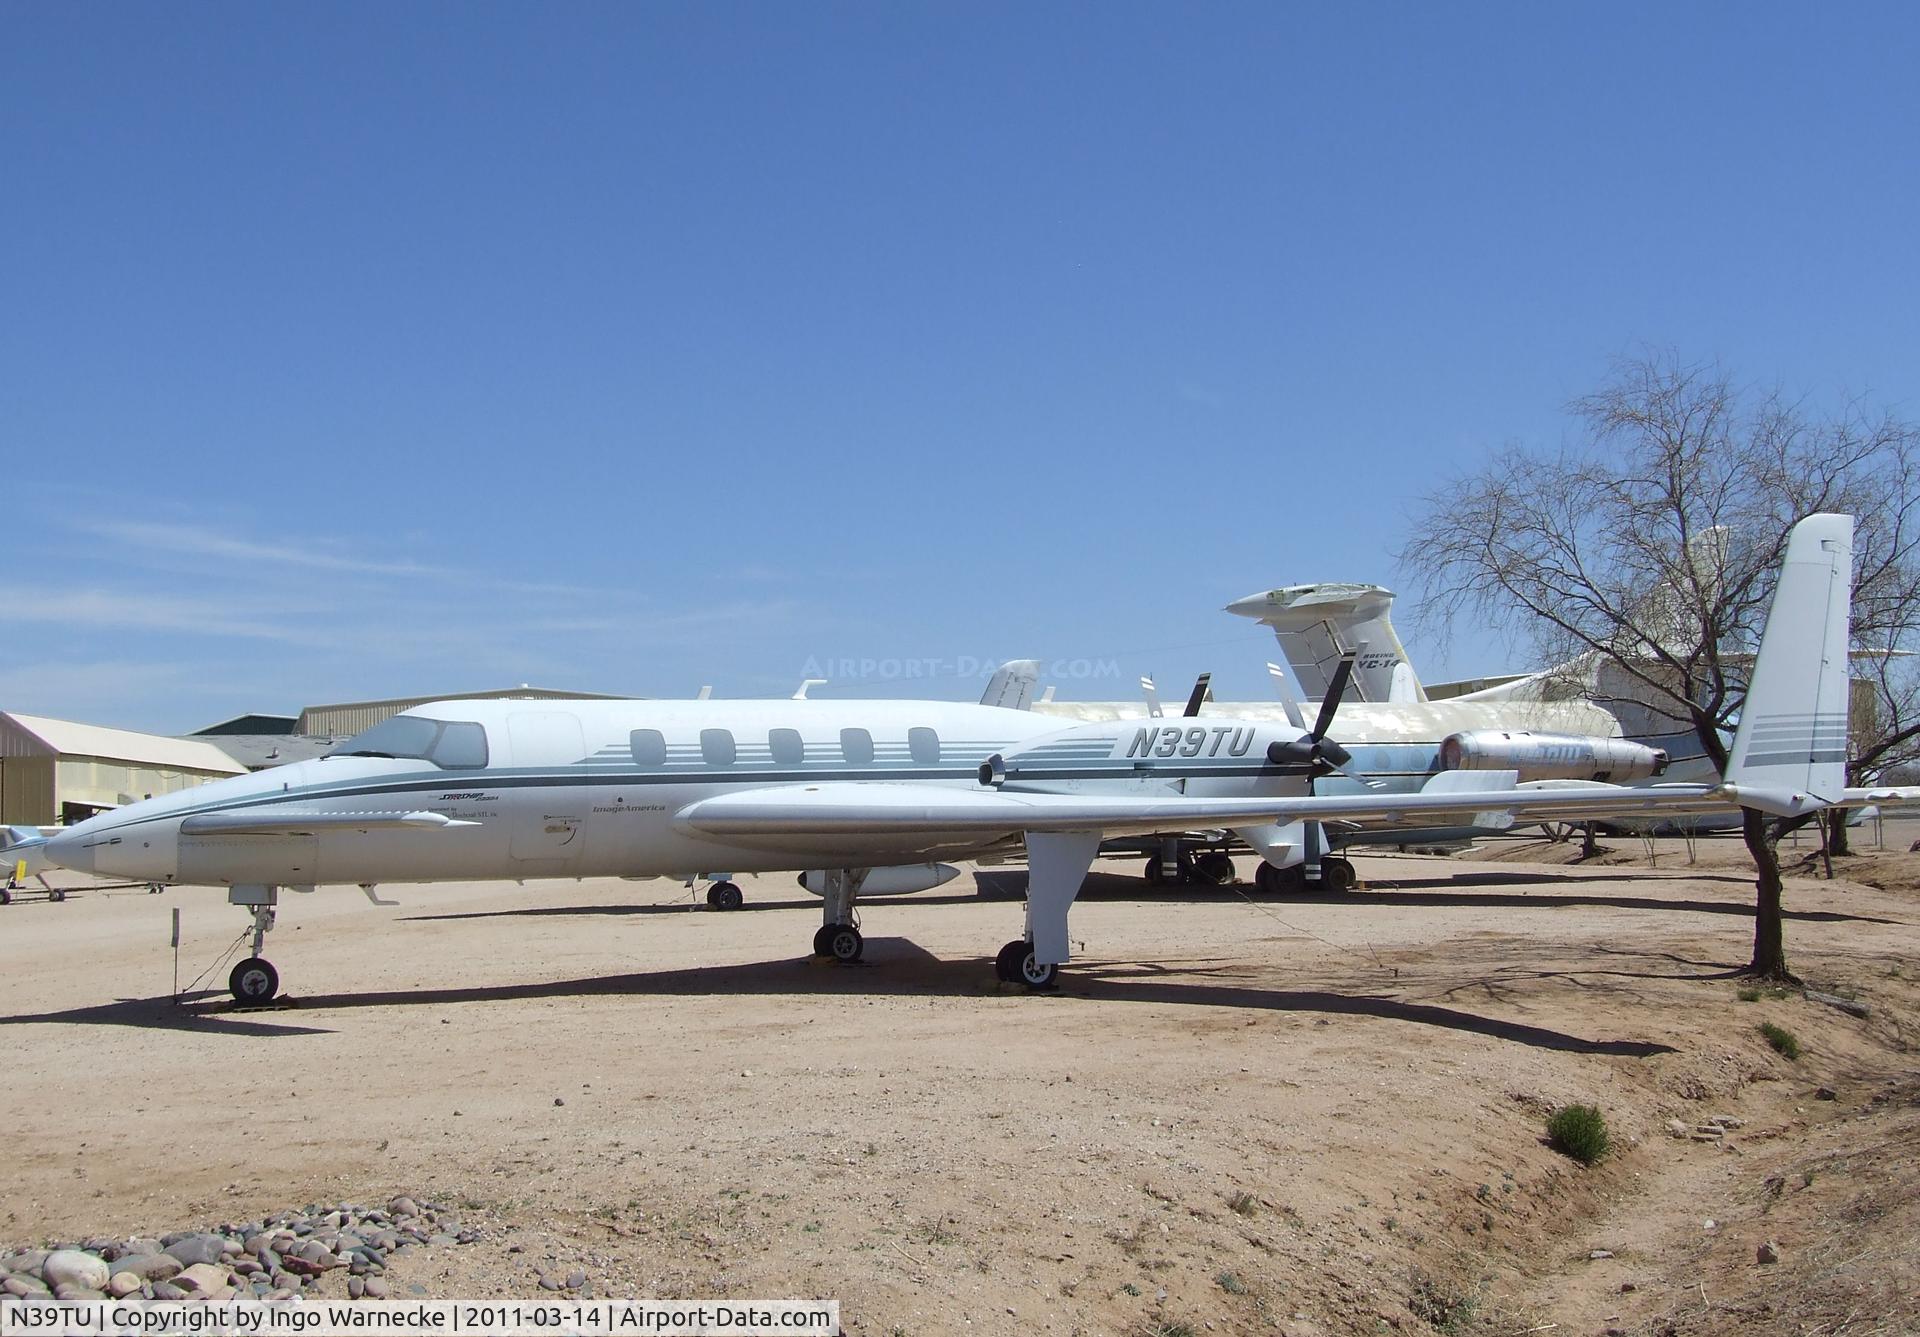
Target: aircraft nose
point(70, 849)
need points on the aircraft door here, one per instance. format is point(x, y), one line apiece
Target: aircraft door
point(549, 819)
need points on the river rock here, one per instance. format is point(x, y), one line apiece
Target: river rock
point(202, 1279)
point(198, 1249)
point(148, 1266)
point(78, 1295)
point(24, 1287)
point(71, 1267)
point(122, 1284)
point(377, 1288)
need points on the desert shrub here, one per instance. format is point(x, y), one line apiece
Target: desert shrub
point(1783, 1040)
point(1579, 1131)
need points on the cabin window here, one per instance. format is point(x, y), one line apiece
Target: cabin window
point(856, 745)
point(649, 748)
point(716, 746)
point(786, 747)
point(924, 744)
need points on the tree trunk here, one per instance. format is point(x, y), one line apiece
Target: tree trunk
point(1838, 841)
point(1769, 947)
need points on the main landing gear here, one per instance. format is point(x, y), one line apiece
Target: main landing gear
point(837, 937)
point(1336, 875)
point(254, 982)
point(1016, 965)
point(1206, 868)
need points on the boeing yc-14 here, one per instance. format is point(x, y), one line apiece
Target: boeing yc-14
point(870, 790)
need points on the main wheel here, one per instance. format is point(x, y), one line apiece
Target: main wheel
point(253, 982)
point(844, 944)
point(821, 936)
point(1215, 867)
point(725, 896)
point(1337, 875)
point(1271, 881)
point(1007, 964)
point(1156, 875)
point(1017, 966)
point(6, 895)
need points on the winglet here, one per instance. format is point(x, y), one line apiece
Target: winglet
point(1790, 753)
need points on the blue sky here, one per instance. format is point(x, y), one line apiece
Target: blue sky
point(366, 350)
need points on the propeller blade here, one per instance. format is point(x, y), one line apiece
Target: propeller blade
point(1199, 697)
point(1342, 675)
point(1288, 702)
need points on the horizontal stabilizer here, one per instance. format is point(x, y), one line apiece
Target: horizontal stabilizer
point(1012, 685)
point(284, 823)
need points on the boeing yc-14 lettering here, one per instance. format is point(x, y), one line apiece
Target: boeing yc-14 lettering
point(876, 792)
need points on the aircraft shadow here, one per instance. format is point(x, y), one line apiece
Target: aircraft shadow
point(895, 967)
point(1493, 878)
point(1012, 886)
point(192, 1014)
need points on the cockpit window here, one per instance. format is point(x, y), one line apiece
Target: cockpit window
point(452, 745)
point(462, 746)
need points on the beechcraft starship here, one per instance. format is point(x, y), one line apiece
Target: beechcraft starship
point(868, 790)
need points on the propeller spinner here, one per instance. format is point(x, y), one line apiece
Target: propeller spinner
point(1316, 750)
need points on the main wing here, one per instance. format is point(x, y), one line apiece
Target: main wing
point(859, 807)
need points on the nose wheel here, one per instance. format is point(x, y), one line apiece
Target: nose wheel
point(254, 982)
point(842, 942)
point(1016, 965)
point(725, 896)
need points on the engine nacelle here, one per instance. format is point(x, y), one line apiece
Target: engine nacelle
point(1551, 756)
point(895, 881)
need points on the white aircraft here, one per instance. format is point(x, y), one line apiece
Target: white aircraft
point(462, 790)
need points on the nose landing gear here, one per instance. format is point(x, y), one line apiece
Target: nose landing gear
point(254, 982)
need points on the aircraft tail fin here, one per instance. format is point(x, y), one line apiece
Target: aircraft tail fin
point(1790, 752)
point(1012, 685)
point(1318, 625)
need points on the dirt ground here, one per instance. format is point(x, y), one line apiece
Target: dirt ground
point(1317, 1115)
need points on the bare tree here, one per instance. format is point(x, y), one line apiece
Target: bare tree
point(1645, 553)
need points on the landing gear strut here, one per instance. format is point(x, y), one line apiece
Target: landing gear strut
point(837, 937)
point(254, 982)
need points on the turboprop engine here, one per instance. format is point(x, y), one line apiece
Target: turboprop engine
point(895, 881)
point(1551, 756)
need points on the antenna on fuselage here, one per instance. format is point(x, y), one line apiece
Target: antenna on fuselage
point(800, 693)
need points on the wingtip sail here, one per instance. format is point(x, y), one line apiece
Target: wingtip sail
point(1790, 751)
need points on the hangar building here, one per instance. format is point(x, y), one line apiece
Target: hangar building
point(58, 771)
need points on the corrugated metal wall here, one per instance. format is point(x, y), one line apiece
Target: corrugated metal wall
point(26, 790)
